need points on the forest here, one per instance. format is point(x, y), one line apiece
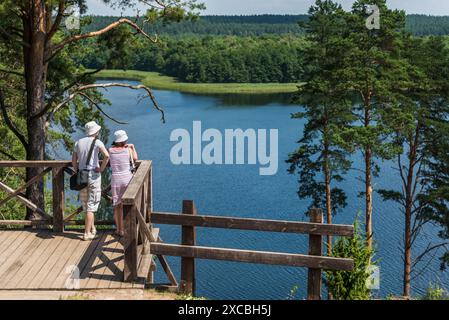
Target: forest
point(224, 59)
point(256, 25)
point(223, 49)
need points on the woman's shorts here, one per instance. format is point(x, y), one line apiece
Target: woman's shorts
point(90, 196)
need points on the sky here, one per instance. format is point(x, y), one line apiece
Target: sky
point(246, 7)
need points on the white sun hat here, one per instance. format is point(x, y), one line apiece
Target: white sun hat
point(120, 136)
point(92, 128)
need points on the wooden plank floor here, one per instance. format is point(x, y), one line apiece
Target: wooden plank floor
point(43, 260)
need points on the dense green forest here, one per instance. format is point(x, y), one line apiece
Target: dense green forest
point(217, 25)
point(224, 59)
point(223, 49)
point(264, 24)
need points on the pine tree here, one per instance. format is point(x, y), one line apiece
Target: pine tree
point(420, 121)
point(373, 69)
point(320, 161)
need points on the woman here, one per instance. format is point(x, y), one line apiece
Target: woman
point(122, 159)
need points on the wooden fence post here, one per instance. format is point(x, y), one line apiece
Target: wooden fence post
point(315, 249)
point(58, 199)
point(150, 196)
point(130, 243)
point(188, 239)
point(147, 209)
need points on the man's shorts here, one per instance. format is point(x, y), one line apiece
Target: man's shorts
point(90, 196)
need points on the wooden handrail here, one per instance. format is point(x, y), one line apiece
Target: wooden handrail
point(251, 224)
point(134, 187)
point(35, 164)
point(39, 163)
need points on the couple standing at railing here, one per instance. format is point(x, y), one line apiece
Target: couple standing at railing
point(121, 157)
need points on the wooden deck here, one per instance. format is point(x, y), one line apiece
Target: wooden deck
point(43, 260)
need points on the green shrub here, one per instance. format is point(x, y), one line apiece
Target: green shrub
point(351, 285)
point(435, 292)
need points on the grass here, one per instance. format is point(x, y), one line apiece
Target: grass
point(155, 80)
point(182, 296)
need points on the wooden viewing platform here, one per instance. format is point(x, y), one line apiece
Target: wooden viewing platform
point(43, 260)
point(49, 256)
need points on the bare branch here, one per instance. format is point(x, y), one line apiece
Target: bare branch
point(66, 88)
point(80, 89)
point(6, 154)
point(60, 105)
point(124, 85)
point(418, 273)
point(55, 48)
point(401, 171)
point(99, 108)
point(428, 250)
point(9, 122)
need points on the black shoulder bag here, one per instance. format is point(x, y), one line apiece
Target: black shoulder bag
point(80, 180)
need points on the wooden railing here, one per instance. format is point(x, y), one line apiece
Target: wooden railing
point(189, 251)
point(57, 169)
point(58, 220)
point(141, 238)
point(142, 241)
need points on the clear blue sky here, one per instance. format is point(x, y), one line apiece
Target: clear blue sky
point(232, 7)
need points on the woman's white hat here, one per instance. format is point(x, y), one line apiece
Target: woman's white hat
point(92, 128)
point(120, 136)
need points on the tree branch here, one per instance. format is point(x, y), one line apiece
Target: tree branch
point(55, 26)
point(12, 72)
point(55, 48)
point(124, 85)
point(66, 88)
point(6, 154)
point(9, 122)
point(8, 35)
point(428, 250)
point(80, 89)
point(99, 108)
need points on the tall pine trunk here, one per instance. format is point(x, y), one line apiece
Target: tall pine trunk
point(368, 180)
point(35, 78)
point(368, 198)
point(408, 214)
point(407, 252)
point(327, 179)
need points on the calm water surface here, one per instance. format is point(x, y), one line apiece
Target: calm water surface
point(239, 190)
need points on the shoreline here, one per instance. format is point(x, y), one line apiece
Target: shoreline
point(155, 80)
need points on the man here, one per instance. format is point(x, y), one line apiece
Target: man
point(90, 196)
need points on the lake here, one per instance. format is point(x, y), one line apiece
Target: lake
point(239, 190)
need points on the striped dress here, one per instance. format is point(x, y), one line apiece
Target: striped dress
point(121, 172)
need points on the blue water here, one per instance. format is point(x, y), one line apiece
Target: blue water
point(239, 190)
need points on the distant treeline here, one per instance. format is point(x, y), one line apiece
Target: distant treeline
point(422, 25)
point(221, 49)
point(222, 59)
point(257, 25)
